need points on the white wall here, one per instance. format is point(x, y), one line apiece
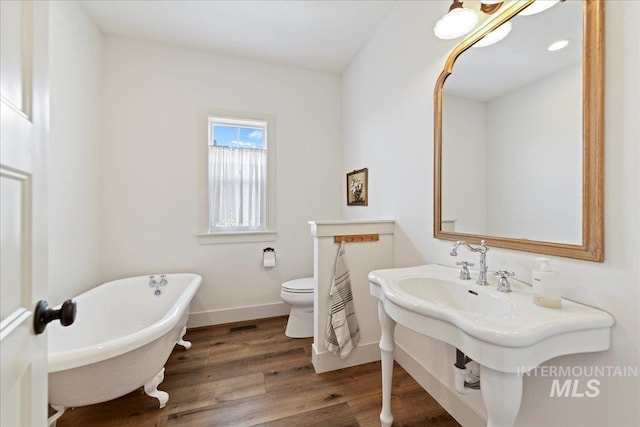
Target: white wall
point(74, 151)
point(152, 94)
point(388, 127)
point(464, 174)
point(534, 158)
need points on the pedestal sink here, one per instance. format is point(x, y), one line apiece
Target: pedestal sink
point(506, 333)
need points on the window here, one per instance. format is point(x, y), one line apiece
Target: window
point(239, 178)
point(237, 175)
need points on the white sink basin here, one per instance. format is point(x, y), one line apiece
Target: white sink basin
point(450, 295)
point(506, 319)
point(506, 333)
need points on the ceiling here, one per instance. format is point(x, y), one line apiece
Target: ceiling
point(326, 35)
point(318, 35)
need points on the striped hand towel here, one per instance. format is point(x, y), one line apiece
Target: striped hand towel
point(343, 333)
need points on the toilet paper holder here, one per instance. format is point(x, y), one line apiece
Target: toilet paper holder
point(269, 257)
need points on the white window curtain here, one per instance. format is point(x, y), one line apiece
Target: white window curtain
point(237, 188)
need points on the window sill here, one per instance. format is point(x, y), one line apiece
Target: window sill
point(238, 237)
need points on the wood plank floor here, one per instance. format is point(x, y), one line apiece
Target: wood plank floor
point(259, 377)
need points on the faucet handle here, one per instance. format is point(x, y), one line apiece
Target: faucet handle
point(464, 271)
point(503, 282)
point(504, 274)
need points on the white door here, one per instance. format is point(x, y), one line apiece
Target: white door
point(23, 201)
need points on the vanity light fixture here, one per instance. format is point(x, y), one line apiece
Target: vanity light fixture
point(495, 36)
point(460, 20)
point(456, 23)
point(557, 45)
point(537, 7)
point(490, 6)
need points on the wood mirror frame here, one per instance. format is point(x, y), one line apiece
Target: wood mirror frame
point(592, 247)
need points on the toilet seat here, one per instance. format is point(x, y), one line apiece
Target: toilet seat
point(299, 286)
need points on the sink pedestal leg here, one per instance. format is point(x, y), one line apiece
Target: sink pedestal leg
point(387, 347)
point(502, 394)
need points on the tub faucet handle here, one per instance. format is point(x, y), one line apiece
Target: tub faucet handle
point(152, 281)
point(163, 280)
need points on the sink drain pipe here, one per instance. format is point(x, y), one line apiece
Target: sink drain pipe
point(466, 378)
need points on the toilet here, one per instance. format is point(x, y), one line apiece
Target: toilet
point(298, 294)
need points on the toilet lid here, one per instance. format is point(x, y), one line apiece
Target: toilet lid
point(299, 286)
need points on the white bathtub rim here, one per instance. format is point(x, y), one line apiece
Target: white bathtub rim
point(74, 358)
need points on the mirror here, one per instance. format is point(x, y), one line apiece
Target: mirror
point(519, 136)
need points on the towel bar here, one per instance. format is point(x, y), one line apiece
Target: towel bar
point(356, 238)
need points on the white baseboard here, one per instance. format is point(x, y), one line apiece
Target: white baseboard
point(237, 314)
point(446, 397)
point(323, 361)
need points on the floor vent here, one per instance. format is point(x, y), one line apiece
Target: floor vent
point(243, 328)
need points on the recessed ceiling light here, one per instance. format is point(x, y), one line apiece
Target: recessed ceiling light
point(560, 44)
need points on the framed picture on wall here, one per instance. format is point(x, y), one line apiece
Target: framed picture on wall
point(358, 188)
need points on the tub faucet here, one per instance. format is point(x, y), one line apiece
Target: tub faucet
point(153, 283)
point(482, 250)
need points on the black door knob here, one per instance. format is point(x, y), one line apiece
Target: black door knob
point(45, 314)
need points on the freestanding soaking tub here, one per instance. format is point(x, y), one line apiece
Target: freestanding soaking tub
point(123, 335)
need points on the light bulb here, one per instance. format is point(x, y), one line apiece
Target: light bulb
point(537, 7)
point(456, 23)
point(495, 36)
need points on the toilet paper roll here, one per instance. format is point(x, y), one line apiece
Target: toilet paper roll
point(269, 259)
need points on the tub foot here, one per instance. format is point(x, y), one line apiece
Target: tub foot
point(54, 418)
point(182, 342)
point(151, 389)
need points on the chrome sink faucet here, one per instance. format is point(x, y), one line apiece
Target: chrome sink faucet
point(482, 250)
